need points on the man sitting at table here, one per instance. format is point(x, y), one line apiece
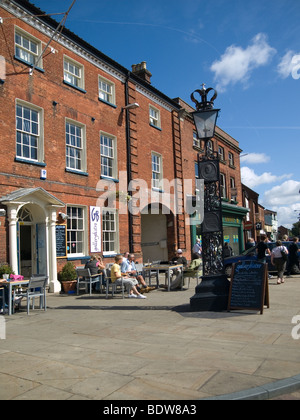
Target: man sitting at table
point(116, 277)
point(128, 267)
point(177, 283)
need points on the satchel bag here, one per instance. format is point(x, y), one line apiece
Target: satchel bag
point(284, 255)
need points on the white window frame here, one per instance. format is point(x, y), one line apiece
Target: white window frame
point(82, 150)
point(157, 171)
point(231, 159)
point(154, 117)
point(110, 233)
point(76, 230)
point(232, 187)
point(107, 91)
point(70, 76)
point(223, 185)
point(221, 153)
point(25, 52)
point(196, 140)
point(25, 129)
point(108, 152)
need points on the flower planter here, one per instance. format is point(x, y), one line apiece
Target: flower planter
point(69, 286)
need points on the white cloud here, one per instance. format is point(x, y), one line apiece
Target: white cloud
point(254, 158)
point(284, 194)
point(285, 67)
point(236, 64)
point(252, 180)
point(285, 200)
point(287, 216)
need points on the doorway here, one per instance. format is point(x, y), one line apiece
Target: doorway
point(158, 233)
point(32, 243)
point(25, 246)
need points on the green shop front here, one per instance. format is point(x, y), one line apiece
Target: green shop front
point(233, 227)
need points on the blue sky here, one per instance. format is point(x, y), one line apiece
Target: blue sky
point(248, 51)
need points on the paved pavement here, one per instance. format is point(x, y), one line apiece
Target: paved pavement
point(153, 349)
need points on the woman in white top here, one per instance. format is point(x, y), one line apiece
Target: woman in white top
point(279, 260)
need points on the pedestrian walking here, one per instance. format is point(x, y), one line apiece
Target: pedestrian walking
point(293, 260)
point(279, 259)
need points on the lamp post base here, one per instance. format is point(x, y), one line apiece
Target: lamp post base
point(211, 294)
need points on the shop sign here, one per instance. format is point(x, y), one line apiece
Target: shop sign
point(95, 229)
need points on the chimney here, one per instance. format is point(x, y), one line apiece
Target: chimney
point(141, 71)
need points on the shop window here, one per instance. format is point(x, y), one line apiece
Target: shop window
point(75, 231)
point(110, 231)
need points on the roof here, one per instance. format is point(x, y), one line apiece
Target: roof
point(32, 9)
point(25, 193)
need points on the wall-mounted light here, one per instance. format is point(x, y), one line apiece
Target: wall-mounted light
point(64, 216)
point(131, 106)
point(54, 103)
point(93, 119)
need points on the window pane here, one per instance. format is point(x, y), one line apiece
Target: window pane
point(75, 237)
point(27, 136)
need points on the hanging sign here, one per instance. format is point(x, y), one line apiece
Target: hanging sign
point(95, 229)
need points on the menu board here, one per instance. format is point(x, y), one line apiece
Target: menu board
point(61, 241)
point(249, 286)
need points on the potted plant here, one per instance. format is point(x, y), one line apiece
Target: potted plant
point(67, 276)
point(5, 271)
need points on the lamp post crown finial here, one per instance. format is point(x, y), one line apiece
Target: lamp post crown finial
point(205, 103)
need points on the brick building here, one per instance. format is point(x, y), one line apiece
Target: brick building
point(83, 140)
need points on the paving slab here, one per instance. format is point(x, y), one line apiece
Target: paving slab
point(91, 348)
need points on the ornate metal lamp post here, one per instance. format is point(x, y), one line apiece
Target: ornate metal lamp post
point(212, 293)
point(205, 119)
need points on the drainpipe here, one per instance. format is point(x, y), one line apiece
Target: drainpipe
point(128, 150)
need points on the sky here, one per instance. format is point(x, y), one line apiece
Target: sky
point(248, 51)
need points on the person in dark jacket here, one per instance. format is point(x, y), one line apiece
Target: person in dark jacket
point(96, 266)
point(263, 249)
point(227, 250)
point(293, 260)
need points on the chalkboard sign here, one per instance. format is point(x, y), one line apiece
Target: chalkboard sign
point(61, 241)
point(249, 286)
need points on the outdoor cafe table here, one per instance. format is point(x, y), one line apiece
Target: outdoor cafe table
point(11, 284)
point(166, 268)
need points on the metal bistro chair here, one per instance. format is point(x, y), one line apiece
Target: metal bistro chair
point(150, 274)
point(139, 269)
point(192, 274)
point(111, 285)
point(36, 288)
point(84, 276)
point(2, 297)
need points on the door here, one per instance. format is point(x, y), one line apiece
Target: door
point(25, 249)
point(41, 249)
point(154, 237)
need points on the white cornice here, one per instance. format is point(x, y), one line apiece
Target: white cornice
point(153, 98)
point(61, 39)
point(66, 42)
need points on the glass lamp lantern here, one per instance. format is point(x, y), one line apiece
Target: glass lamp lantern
point(205, 122)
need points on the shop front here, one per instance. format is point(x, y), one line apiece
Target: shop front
point(233, 229)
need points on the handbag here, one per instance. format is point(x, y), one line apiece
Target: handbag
point(284, 255)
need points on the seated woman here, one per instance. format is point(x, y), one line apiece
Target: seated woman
point(116, 277)
point(96, 266)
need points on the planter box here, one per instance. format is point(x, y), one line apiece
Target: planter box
point(69, 286)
